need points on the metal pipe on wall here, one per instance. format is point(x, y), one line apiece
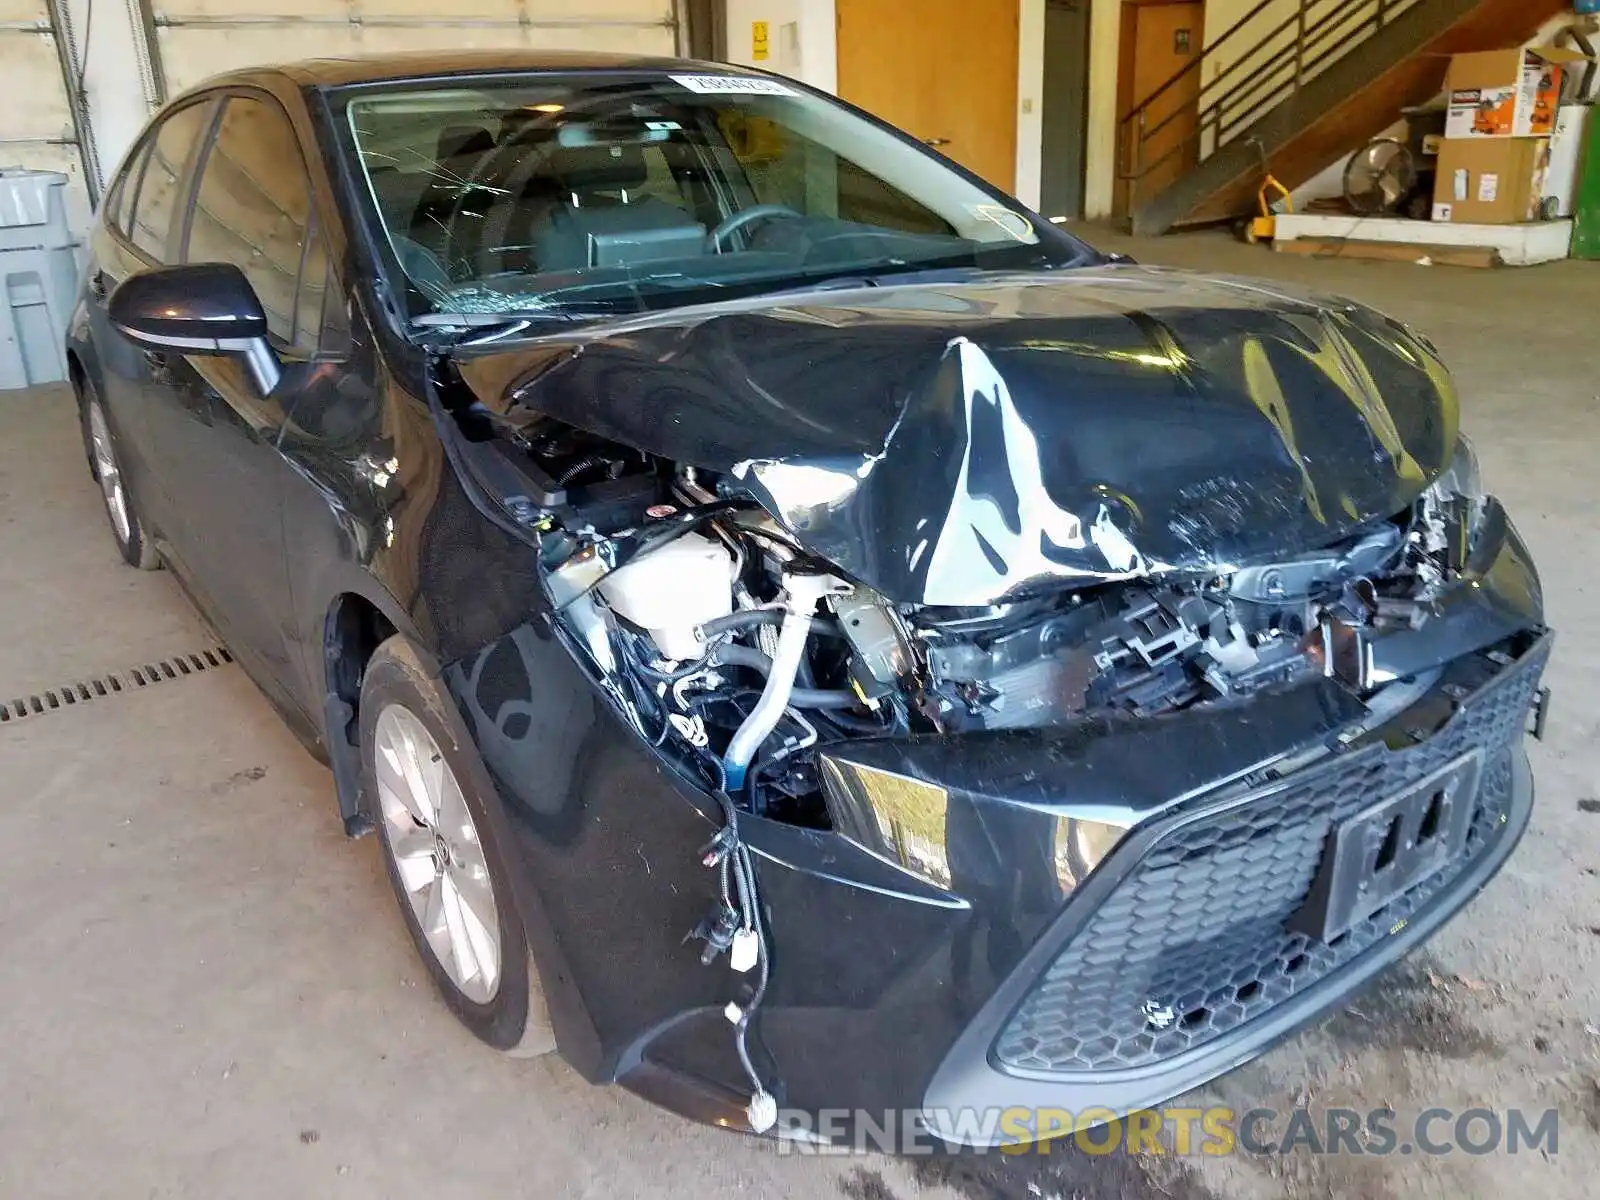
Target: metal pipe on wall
point(142, 20)
point(67, 53)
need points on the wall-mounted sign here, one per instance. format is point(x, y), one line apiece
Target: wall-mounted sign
point(758, 41)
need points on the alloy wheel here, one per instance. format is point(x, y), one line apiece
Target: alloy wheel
point(109, 473)
point(431, 836)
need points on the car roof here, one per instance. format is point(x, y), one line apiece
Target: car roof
point(431, 64)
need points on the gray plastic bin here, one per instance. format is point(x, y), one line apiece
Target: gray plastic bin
point(38, 277)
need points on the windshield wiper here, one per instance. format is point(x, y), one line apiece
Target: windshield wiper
point(487, 320)
point(477, 327)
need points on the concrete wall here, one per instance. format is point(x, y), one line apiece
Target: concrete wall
point(801, 42)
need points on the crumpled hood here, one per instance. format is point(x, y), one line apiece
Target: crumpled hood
point(953, 443)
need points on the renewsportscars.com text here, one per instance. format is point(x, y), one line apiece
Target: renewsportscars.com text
point(1214, 1132)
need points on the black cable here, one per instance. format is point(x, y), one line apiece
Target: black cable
point(764, 975)
point(736, 862)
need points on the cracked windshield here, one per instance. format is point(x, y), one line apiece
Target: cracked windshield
point(605, 194)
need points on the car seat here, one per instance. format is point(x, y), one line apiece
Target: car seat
point(603, 187)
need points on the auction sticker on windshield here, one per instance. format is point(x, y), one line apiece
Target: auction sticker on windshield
point(733, 85)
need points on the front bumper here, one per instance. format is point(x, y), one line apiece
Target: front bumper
point(1177, 961)
point(896, 998)
point(894, 1007)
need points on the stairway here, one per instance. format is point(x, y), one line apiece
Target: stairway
point(1290, 87)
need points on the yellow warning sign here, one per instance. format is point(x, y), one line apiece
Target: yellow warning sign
point(758, 41)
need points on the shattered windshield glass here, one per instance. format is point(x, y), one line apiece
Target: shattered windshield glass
point(618, 192)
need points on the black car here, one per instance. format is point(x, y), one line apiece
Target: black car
point(812, 636)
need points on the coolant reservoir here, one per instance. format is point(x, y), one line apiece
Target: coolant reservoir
point(672, 589)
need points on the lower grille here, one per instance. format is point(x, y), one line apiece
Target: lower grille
point(1194, 942)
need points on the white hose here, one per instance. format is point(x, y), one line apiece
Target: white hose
point(801, 594)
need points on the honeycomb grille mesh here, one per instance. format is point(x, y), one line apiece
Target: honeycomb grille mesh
point(1198, 928)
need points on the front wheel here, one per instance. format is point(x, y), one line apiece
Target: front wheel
point(132, 540)
point(444, 861)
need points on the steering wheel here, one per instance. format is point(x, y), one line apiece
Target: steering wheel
point(747, 216)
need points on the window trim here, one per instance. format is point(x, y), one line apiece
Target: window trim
point(130, 176)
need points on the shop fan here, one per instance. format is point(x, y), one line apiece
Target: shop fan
point(1379, 176)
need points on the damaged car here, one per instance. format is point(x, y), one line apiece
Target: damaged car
point(809, 634)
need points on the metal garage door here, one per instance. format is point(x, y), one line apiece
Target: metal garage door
point(197, 38)
point(36, 126)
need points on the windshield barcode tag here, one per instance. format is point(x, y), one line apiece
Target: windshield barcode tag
point(744, 85)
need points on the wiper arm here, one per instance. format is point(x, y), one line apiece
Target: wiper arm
point(477, 327)
point(485, 320)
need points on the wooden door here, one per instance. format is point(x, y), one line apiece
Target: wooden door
point(1159, 39)
point(943, 70)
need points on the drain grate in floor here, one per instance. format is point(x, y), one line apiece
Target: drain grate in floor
point(114, 683)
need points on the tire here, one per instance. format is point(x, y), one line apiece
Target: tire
point(443, 856)
point(122, 514)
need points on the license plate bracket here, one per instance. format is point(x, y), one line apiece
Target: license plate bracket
point(1388, 848)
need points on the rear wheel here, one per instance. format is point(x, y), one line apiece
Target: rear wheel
point(444, 861)
point(106, 468)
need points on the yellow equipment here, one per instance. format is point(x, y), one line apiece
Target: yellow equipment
point(1264, 225)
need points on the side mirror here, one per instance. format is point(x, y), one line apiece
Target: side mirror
point(198, 308)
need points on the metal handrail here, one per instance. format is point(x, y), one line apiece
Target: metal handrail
point(1264, 42)
point(1297, 48)
point(1247, 99)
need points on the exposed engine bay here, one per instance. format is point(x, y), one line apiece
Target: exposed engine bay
point(732, 647)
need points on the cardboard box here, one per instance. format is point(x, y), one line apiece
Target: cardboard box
point(1505, 93)
point(1496, 181)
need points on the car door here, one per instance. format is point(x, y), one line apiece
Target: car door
point(252, 207)
point(139, 231)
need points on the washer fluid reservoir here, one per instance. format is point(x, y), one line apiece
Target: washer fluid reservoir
point(673, 589)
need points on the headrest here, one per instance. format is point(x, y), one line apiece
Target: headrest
point(458, 140)
point(599, 168)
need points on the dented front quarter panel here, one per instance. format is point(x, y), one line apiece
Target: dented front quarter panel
point(954, 443)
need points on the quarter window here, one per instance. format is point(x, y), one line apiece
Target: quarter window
point(156, 198)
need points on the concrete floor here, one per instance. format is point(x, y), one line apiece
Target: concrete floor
point(207, 992)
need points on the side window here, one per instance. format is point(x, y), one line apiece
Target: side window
point(253, 208)
point(156, 197)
